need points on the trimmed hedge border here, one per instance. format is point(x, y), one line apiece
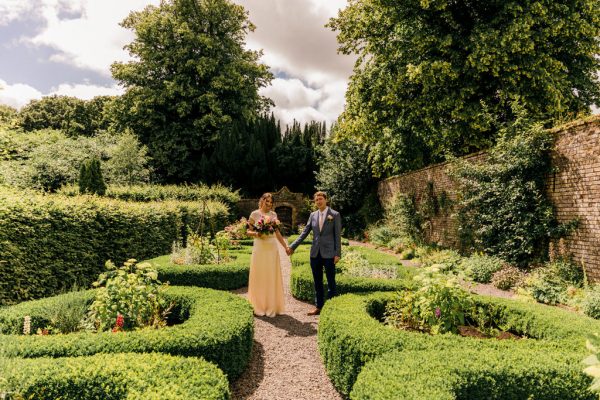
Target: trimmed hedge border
point(303, 287)
point(217, 326)
point(468, 374)
point(226, 276)
point(48, 243)
point(350, 336)
point(114, 376)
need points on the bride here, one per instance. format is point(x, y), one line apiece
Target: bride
point(265, 286)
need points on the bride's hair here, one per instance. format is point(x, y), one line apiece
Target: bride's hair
point(265, 197)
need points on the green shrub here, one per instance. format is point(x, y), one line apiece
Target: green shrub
point(131, 295)
point(90, 178)
point(215, 325)
point(226, 276)
point(592, 363)
point(407, 254)
point(446, 260)
point(468, 374)
point(114, 376)
point(508, 277)
point(350, 335)
point(566, 271)
point(504, 210)
point(380, 235)
point(50, 243)
point(545, 286)
point(481, 267)
point(147, 193)
point(591, 302)
point(436, 305)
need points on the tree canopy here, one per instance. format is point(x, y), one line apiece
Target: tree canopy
point(190, 80)
point(439, 76)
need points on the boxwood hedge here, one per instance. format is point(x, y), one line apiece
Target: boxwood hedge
point(226, 276)
point(350, 335)
point(451, 374)
point(215, 325)
point(114, 376)
point(50, 243)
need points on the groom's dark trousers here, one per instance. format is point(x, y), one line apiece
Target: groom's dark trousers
point(317, 264)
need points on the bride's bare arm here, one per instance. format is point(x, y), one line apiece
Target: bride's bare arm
point(281, 239)
point(250, 231)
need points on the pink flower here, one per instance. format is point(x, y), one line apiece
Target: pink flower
point(438, 312)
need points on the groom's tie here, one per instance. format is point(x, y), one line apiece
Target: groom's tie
point(320, 221)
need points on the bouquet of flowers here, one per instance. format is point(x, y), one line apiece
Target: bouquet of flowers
point(266, 225)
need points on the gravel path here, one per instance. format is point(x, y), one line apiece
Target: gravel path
point(285, 363)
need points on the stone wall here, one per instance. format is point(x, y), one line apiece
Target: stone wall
point(573, 187)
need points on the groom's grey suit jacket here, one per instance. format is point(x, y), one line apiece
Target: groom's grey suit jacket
point(327, 241)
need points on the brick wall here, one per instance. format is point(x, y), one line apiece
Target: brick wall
point(574, 189)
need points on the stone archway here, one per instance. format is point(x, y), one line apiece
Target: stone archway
point(288, 205)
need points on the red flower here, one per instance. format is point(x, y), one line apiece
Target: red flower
point(120, 321)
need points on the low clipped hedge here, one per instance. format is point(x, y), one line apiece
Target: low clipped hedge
point(350, 335)
point(226, 276)
point(303, 287)
point(49, 243)
point(474, 375)
point(114, 376)
point(148, 193)
point(215, 325)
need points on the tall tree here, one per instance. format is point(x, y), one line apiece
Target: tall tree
point(190, 80)
point(439, 76)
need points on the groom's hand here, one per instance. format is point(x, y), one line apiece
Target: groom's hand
point(336, 259)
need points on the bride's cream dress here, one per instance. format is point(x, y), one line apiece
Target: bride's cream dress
point(265, 286)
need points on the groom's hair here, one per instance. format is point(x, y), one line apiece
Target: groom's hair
point(319, 193)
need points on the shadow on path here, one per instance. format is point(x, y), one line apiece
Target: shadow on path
point(246, 385)
point(291, 325)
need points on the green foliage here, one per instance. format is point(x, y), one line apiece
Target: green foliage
point(147, 193)
point(592, 362)
point(351, 336)
point(469, 374)
point(437, 305)
point(47, 160)
point(133, 292)
point(229, 275)
point(7, 115)
point(73, 116)
point(49, 243)
point(445, 260)
point(591, 302)
point(508, 277)
point(215, 325)
point(481, 267)
point(434, 77)
point(128, 162)
point(113, 377)
point(180, 99)
point(404, 218)
point(198, 251)
point(504, 210)
point(90, 178)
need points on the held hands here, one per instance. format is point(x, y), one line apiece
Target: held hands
point(289, 251)
point(336, 259)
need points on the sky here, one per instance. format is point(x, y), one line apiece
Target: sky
point(66, 47)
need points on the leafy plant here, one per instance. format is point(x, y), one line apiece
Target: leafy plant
point(128, 297)
point(592, 363)
point(508, 277)
point(481, 267)
point(90, 178)
point(591, 302)
point(352, 261)
point(438, 305)
point(504, 210)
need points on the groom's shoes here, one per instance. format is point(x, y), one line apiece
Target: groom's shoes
point(316, 311)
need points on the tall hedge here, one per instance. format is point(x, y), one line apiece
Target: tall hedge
point(50, 243)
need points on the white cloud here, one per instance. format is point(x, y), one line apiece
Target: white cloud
point(11, 10)
point(17, 95)
point(91, 37)
point(86, 91)
point(295, 100)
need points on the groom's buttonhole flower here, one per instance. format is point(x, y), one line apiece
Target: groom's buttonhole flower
point(329, 218)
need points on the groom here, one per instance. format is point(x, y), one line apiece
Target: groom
point(326, 249)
